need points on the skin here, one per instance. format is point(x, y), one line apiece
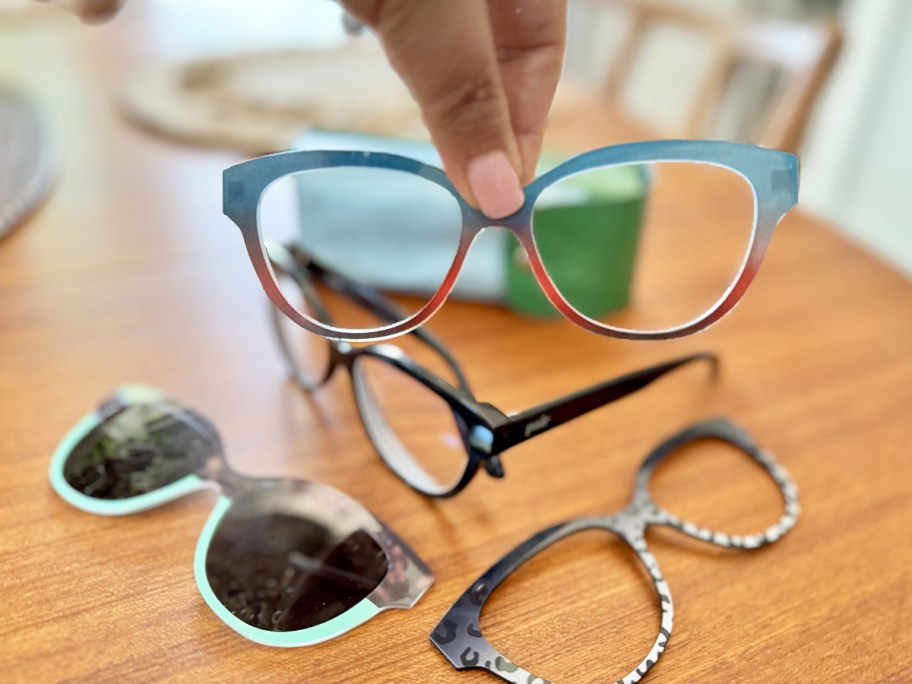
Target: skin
point(484, 74)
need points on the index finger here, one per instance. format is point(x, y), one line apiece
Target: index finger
point(444, 52)
point(530, 38)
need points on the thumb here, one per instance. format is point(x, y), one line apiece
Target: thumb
point(444, 52)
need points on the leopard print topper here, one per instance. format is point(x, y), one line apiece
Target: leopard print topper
point(458, 635)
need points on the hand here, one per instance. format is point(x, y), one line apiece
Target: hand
point(484, 74)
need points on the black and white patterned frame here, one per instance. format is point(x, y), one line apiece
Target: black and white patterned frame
point(458, 634)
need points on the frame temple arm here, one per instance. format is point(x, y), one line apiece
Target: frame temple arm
point(544, 417)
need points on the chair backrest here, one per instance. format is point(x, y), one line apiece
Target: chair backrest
point(802, 55)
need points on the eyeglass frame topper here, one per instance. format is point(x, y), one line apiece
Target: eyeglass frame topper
point(771, 174)
point(407, 577)
point(459, 636)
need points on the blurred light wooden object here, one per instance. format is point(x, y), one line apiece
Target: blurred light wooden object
point(802, 54)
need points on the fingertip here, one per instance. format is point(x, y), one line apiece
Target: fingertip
point(495, 184)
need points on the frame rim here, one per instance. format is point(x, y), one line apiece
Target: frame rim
point(111, 507)
point(771, 174)
point(464, 615)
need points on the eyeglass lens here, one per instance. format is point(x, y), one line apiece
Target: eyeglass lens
point(284, 555)
point(140, 449)
point(283, 558)
point(634, 247)
point(367, 224)
point(413, 427)
point(631, 246)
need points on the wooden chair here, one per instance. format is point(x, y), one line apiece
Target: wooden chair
point(801, 55)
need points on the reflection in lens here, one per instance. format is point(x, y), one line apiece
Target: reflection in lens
point(387, 229)
point(142, 448)
point(645, 247)
point(582, 610)
point(285, 557)
point(309, 353)
point(414, 428)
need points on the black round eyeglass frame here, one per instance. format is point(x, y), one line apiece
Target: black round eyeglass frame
point(485, 430)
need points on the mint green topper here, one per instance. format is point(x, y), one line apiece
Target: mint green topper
point(281, 562)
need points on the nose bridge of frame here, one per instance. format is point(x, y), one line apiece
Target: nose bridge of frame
point(514, 222)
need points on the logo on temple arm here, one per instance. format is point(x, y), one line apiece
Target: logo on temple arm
point(536, 425)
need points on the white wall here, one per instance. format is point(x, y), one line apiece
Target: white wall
point(857, 155)
point(857, 164)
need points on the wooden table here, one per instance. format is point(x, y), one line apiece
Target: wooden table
point(131, 273)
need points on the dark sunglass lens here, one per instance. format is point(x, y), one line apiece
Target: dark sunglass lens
point(142, 448)
point(285, 558)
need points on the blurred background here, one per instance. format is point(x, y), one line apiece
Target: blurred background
point(831, 79)
point(856, 146)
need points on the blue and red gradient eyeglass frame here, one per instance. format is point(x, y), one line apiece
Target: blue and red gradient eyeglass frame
point(771, 174)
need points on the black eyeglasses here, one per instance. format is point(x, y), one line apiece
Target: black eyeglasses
point(458, 635)
point(433, 433)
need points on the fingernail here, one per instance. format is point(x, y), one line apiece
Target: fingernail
point(495, 185)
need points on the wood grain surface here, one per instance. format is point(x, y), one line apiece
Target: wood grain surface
point(131, 273)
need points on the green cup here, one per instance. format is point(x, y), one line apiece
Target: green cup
point(586, 228)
